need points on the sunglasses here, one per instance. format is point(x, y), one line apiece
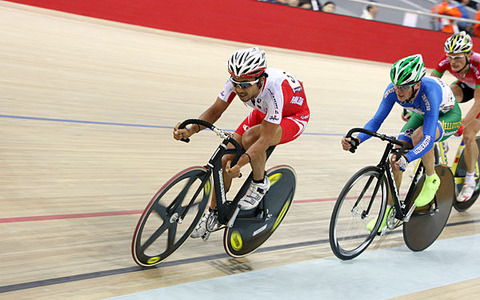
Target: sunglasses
point(403, 88)
point(243, 84)
point(458, 57)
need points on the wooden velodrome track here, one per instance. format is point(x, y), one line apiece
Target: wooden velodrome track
point(87, 109)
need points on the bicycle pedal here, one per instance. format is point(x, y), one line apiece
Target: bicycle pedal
point(206, 236)
point(383, 232)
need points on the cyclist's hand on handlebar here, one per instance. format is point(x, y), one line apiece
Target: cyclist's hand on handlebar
point(234, 171)
point(405, 115)
point(179, 134)
point(350, 143)
point(400, 164)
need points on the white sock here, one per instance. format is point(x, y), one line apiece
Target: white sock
point(470, 178)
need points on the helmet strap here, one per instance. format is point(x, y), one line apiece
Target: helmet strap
point(467, 63)
point(412, 96)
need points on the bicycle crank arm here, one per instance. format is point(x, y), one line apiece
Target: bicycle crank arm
point(234, 217)
point(410, 213)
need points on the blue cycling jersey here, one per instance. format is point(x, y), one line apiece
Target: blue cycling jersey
point(434, 98)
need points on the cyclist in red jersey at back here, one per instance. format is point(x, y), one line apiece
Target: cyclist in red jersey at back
point(280, 115)
point(464, 64)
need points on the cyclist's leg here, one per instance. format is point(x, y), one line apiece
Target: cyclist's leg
point(429, 158)
point(247, 134)
point(448, 124)
point(471, 149)
point(289, 129)
point(464, 93)
point(470, 155)
point(414, 122)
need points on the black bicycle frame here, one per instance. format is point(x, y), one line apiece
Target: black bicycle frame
point(214, 167)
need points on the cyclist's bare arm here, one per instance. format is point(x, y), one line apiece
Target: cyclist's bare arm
point(474, 110)
point(211, 115)
point(269, 135)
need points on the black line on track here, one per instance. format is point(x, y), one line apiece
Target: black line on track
point(79, 277)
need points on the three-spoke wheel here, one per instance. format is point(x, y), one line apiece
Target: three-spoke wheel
point(166, 223)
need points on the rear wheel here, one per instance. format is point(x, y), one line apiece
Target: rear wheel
point(251, 230)
point(161, 229)
point(427, 222)
point(363, 199)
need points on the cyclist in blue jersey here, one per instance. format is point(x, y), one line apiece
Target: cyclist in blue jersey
point(436, 116)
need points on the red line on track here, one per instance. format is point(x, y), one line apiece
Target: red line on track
point(106, 214)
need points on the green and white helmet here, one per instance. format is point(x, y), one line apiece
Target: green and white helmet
point(408, 70)
point(459, 43)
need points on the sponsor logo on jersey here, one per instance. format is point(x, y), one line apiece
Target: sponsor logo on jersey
point(388, 92)
point(305, 117)
point(426, 102)
point(420, 147)
point(451, 126)
point(273, 98)
point(408, 133)
point(297, 100)
point(273, 118)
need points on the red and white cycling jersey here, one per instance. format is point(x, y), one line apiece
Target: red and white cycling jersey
point(471, 79)
point(281, 96)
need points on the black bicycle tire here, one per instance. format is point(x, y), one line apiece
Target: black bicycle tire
point(148, 260)
point(334, 244)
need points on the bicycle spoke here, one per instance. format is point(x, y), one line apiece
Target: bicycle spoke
point(154, 236)
point(159, 233)
point(172, 231)
point(179, 199)
point(359, 203)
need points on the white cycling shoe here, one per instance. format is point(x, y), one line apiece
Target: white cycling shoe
point(466, 192)
point(254, 195)
point(209, 219)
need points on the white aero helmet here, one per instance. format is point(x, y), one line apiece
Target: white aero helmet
point(249, 62)
point(459, 43)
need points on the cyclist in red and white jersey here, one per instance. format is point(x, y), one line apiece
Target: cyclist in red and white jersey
point(280, 115)
point(464, 64)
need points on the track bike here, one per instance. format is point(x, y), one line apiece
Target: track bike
point(459, 170)
point(365, 197)
point(175, 210)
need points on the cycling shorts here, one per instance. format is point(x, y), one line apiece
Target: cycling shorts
point(447, 125)
point(292, 126)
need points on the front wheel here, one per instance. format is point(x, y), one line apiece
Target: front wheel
point(362, 200)
point(170, 217)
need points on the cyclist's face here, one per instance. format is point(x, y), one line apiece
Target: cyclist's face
point(405, 92)
point(246, 87)
point(457, 61)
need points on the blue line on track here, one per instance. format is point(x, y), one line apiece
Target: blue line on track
point(124, 124)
